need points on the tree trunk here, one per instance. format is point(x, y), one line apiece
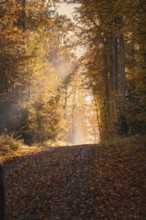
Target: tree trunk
point(21, 19)
point(106, 84)
point(97, 117)
point(123, 122)
point(122, 73)
point(23, 15)
point(115, 64)
point(115, 77)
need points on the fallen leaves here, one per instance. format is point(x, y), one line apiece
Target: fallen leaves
point(120, 192)
point(80, 182)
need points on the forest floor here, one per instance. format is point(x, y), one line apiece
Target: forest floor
point(86, 182)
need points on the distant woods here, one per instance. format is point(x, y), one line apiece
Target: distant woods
point(36, 64)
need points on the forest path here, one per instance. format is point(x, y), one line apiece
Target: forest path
point(80, 182)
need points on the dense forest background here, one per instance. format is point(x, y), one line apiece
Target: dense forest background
point(46, 90)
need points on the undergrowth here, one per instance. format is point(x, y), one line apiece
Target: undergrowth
point(11, 148)
point(9, 144)
point(129, 141)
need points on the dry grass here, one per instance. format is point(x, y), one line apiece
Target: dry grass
point(11, 148)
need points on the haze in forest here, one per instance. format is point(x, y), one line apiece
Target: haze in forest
point(51, 62)
point(78, 125)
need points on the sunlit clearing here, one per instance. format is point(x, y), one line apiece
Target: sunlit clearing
point(81, 114)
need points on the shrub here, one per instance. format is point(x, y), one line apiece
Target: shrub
point(9, 144)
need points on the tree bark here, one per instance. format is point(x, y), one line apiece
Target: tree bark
point(122, 86)
point(115, 76)
point(106, 84)
point(115, 64)
point(122, 73)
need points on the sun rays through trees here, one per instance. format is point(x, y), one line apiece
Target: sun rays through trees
point(76, 77)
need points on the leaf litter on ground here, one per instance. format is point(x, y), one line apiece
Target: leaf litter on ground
point(87, 182)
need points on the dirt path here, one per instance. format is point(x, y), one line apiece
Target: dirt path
point(73, 183)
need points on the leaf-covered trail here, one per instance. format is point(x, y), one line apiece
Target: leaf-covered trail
point(80, 182)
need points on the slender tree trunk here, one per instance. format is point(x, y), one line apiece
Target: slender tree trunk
point(73, 117)
point(97, 117)
point(23, 15)
point(106, 84)
point(115, 76)
point(65, 98)
point(122, 86)
point(133, 58)
point(115, 64)
point(21, 20)
point(122, 73)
